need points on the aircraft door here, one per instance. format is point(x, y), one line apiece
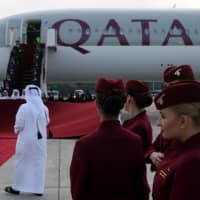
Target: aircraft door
point(14, 31)
point(33, 32)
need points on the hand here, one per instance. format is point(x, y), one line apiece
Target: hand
point(156, 158)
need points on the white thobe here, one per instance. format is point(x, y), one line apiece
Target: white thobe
point(31, 152)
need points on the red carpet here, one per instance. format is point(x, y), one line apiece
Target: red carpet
point(7, 149)
point(67, 120)
point(8, 109)
point(72, 119)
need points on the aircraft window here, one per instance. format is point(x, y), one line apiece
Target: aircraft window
point(180, 31)
point(175, 31)
point(138, 31)
point(196, 31)
point(79, 30)
point(109, 31)
point(87, 32)
point(130, 30)
point(70, 30)
point(187, 31)
point(105, 31)
point(146, 32)
point(155, 31)
point(2, 34)
point(163, 31)
point(171, 31)
point(113, 30)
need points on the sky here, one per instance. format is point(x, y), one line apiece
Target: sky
point(10, 7)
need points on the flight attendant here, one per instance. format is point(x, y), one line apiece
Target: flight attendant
point(138, 97)
point(109, 163)
point(178, 175)
point(31, 148)
point(162, 146)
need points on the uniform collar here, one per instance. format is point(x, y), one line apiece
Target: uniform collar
point(109, 123)
point(139, 115)
point(193, 139)
point(191, 142)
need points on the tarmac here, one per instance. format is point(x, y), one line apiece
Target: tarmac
point(57, 185)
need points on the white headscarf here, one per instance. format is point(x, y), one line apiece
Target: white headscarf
point(33, 97)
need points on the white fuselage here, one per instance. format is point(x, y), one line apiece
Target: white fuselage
point(132, 44)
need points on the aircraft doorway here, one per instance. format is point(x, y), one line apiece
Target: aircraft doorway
point(33, 32)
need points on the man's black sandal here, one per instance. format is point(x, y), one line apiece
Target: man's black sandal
point(9, 189)
point(38, 194)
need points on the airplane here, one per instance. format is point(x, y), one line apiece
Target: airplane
point(82, 45)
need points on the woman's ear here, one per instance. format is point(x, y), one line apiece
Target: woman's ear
point(127, 103)
point(128, 99)
point(185, 120)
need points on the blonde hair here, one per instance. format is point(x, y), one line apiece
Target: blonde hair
point(190, 109)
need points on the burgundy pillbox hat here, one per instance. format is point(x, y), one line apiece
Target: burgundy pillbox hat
point(175, 73)
point(110, 87)
point(137, 88)
point(178, 93)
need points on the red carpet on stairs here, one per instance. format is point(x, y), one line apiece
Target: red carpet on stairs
point(67, 120)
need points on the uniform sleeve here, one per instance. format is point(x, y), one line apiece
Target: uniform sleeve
point(19, 120)
point(78, 173)
point(145, 134)
point(185, 184)
point(155, 147)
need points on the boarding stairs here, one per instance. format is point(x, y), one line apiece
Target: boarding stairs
point(24, 66)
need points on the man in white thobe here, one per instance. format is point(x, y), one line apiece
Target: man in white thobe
point(31, 148)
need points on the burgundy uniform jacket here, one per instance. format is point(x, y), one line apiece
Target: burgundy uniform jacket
point(141, 125)
point(108, 165)
point(178, 176)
